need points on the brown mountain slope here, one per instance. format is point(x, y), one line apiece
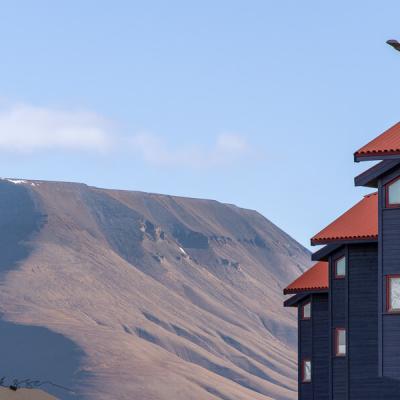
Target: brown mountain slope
point(128, 295)
point(24, 394)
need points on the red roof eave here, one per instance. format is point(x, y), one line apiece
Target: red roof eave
point(315, 278)
point(386, 144)
point(386, 152)
point(310, 289)
point(323, 240)
point(360, 222)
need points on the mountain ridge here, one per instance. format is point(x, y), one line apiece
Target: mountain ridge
point(153, 289)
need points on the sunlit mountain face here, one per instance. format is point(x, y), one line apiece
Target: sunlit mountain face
point(112, 294)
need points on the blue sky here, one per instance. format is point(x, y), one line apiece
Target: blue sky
point(256, 103)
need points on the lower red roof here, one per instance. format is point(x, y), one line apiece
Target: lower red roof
point(388, 143)
point(315, 278)
point(358, 223)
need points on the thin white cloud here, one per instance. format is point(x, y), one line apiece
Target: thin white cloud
point(227, 148)
point(231, 144)
point(26, 128)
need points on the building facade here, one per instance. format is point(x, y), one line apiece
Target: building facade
point(348, 303)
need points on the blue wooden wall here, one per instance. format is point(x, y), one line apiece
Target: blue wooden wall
point(389, 330)
point(363, 322)
point(338, 319)
point(320, 347)
point(313, 345)
point(354, 306)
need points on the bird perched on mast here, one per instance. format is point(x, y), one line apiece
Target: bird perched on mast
point(394, 43)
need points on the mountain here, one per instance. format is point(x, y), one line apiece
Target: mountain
point(127, 295)
point(24, 394)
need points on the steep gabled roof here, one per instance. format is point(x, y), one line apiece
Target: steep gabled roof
point(385, 145)
point(315, 278)
point(358, 223)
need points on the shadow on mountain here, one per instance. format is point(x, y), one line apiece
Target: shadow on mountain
point(18, 221)
point(36, 353)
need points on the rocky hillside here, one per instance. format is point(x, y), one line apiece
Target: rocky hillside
point(24, 394)
point(128, 295)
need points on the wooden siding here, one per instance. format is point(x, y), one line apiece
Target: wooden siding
point(338, 319)
point(305, 352)
point(354, 306)
point(391, 240)
point(363, 322)
point(313, 345)
point(351, 304)
point(390, 265)
point(320, 347)
point(389, 324)
point(390, 389)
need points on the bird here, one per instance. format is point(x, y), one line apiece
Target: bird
point(394, 43)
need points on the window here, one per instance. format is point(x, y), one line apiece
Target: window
point(306, 311)
point(393, 193)
point(306, 371)
point(340, 342)
point(393, 293)
point(340, 268)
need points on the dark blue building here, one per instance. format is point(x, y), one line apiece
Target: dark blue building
point(349, 302)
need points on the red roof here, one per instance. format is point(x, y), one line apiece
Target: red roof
point(388, 143)
point(358, 223)
point(315, 278)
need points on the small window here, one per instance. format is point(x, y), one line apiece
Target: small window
point(306, 311)
point(306, 371)
point(340, 342)
point(340, 268)
point(393, 193)
point(393, 293)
